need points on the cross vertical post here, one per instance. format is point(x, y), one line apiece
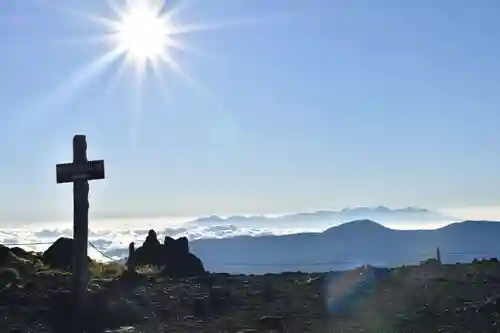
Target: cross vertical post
point(79, 173)
point(80, 223)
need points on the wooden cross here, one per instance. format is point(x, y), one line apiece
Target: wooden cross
point(79, 173)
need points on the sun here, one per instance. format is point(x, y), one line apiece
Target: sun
point(142, 31)
point(144, 36)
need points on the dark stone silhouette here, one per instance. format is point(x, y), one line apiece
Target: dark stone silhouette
point(131, 265)
point(151, 239)
point(16, 250)
point(59, 254)
point(182, 245)
point(4, 254)
point(183, 265)
point(173, 256)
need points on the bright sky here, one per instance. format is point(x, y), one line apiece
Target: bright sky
point(286, 105)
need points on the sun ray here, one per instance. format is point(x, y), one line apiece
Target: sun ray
point(83, 40)
point(54, 102)
point(182, 46)
point(224, 24)
point(145, 28)
point(143, 32)
point(115, 7)
point(103, 21)
point(176, 10)
point(193, 84)
point(162, 83)
point(135, 115)
point(90, 18)
point(113, 81)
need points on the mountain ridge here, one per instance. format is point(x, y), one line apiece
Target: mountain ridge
point(381, 212)
point(349, 245)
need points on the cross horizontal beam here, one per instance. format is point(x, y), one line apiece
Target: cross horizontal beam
point(71, 172)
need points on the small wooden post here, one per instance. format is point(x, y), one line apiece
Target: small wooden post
point(438, 255)
point(79, 173)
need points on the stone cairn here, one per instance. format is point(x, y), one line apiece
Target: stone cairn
point(173, 256)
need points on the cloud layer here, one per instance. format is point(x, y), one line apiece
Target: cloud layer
point(114, 241)
point(112, 237)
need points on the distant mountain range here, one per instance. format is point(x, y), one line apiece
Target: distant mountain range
point(349, 245)
point(380, 213)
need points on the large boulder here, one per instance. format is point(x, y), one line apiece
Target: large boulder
point(4, 254)
point(60, 254)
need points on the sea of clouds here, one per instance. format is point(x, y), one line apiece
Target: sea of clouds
point(112, 237)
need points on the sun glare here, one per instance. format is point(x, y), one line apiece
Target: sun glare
point(142, 32)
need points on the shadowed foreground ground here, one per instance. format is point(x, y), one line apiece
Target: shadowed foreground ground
point(425, 298)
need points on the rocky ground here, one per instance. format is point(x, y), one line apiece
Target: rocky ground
point(425, 298)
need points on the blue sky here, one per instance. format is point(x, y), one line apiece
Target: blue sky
point(316, 104)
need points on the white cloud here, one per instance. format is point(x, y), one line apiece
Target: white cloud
point(112, 237)
point(112, 240)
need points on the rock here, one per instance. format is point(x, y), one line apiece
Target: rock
point(181, 245)
point(272, 323)
point(60, 254)
point(151, 239)
point(131, 264)
point(168, 240)
point(173, 255)
point(127, 329)
point(183, 265)
point(4, 254)
point(149, 253)
point(20, 252)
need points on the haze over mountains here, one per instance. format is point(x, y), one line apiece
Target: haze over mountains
point(384, 214)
